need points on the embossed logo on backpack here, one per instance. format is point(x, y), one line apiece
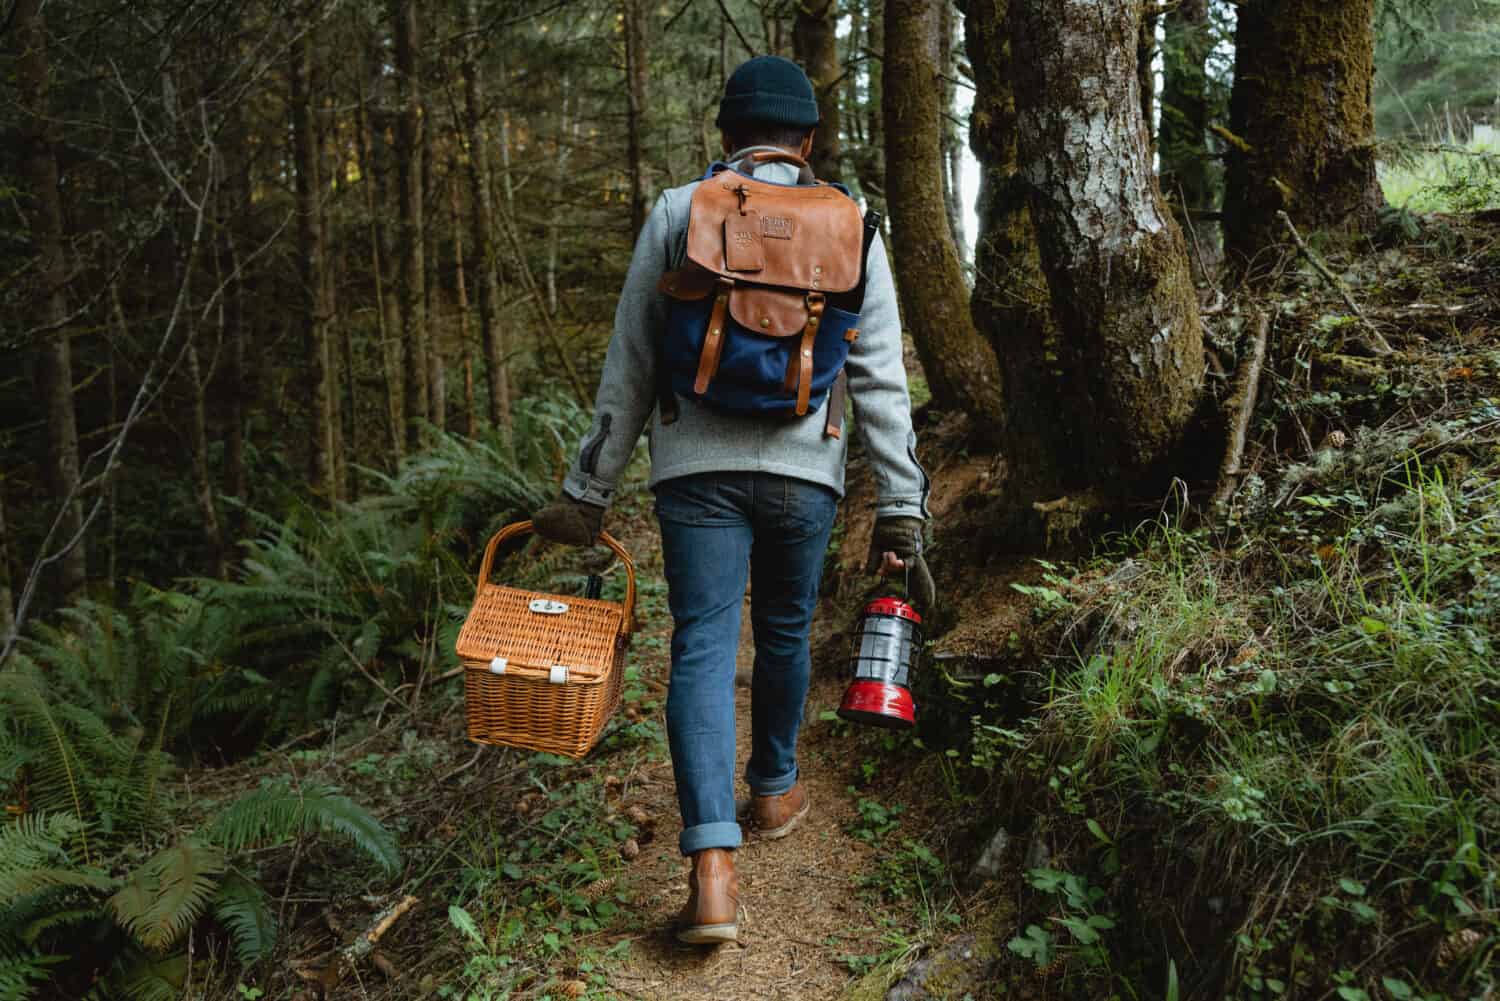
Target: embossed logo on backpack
point(776, 227)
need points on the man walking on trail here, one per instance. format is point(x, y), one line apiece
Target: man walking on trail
point(749, 271)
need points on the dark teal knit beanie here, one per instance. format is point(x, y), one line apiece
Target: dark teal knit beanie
point(768, 89)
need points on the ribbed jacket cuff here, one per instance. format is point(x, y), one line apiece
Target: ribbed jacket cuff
point(589, 489)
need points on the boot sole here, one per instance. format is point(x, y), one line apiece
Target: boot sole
point(709, 934)
point(777, 833)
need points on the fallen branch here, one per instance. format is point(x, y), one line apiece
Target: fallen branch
point(1377, 343)
point(1242, 405)
point(328, 977)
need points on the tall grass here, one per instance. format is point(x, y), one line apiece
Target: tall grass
point(1322, 700)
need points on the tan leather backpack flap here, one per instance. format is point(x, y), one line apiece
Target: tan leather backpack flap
point(803, 238)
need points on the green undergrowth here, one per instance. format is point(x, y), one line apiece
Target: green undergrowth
point(112, 866)
point(1263, 760)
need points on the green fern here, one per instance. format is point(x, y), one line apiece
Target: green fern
point(21, 973)
point(276, 813)
point(142, 977)
point(164, 896)
point(34, 854)
point(242, 907)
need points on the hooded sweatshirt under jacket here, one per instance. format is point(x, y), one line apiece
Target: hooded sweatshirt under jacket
point(703, 440)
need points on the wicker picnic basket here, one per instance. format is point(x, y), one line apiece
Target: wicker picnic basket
point(543, 671)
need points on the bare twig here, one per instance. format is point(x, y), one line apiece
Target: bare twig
point(1377, 343)
point(1242, 404)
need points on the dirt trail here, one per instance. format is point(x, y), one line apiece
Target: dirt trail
point(800, 906)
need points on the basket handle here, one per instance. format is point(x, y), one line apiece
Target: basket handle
point(519, 528)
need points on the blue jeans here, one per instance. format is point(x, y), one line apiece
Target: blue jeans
point(715, 526)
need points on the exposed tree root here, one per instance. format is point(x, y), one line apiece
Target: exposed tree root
point(1242, 405)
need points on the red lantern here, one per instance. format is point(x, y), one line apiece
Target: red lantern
point(886, 646)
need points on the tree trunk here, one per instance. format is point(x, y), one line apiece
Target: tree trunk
point(411, 288)
point(960, 366)
point(634, 17)
point(7, 596)
point(1184, 108)
point(1302, 106)
point(310, 269)
point(1145, 71)
point(54, 358)
point(871, 162)
point(235, 205)
point(432, 286)
point(1129, 359)
point(815, 45)
point(482, 221)
point(203, 484)
point(374, 168)
point(461, 296)
point(1012, 306)
point(948, 111)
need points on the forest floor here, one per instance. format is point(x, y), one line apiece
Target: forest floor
point(1145, 766)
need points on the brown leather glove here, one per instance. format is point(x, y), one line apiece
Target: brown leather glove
point(569, 522)
point(903, 537)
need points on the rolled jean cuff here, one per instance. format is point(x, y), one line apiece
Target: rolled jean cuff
point(770, 787)
point(722, 834)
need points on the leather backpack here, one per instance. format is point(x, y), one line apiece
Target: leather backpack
point(765, 307)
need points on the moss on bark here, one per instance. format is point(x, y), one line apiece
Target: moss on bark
point(960, 365)
point(1302, 102)
point(1114, 398)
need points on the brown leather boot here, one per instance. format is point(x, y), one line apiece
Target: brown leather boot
point(777, 816)
point(711, 914)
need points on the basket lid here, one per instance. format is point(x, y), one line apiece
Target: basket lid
point(533, 633)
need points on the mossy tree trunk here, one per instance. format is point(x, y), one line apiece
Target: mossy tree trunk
point(815, 44)
point(1012, 306)
point(959, 364)
point(1110, 405)
point(1302, 106)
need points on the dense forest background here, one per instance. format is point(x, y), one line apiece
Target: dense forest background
point(301, 301)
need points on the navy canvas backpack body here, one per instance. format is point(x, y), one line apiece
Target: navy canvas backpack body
point(765, 306)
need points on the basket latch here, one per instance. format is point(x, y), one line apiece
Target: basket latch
point(558, 675)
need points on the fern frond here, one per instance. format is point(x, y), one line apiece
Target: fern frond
point(276, 813)
point(165, 895)
point(34, 856)
point(20, 974)
point(243, 908)
point(147, 978)
point(61, 763)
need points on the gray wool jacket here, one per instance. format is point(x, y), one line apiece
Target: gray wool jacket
point(703, 440)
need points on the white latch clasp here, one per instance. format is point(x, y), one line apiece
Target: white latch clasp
point(497, 666)
point(558, 675)
point(548, 606)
